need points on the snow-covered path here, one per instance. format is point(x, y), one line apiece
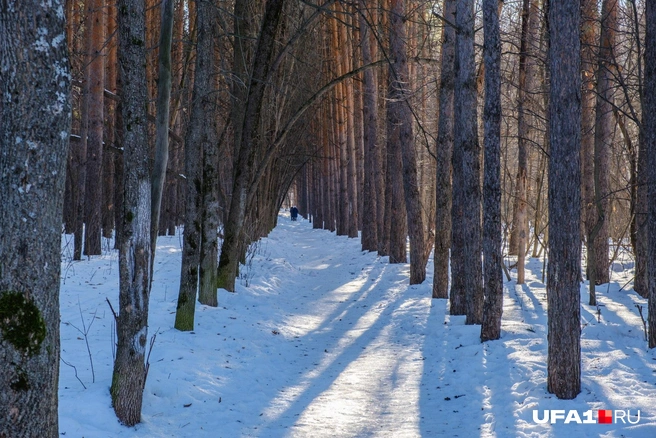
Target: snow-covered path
point(329, 341)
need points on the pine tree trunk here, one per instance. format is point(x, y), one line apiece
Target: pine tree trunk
point(598, 262)
point(371, 153)
point(443, 152)
point(526, 73)
point(399, 109)
point(94, 158)
point(492, 259)
point(118, 165)
point(34, 137)
point(129, 374)
point(563, 289)
point(466, 246)
point(395, 216)
point(80, 160)
point(589, 43)
point(109, 159)
point(349, 106)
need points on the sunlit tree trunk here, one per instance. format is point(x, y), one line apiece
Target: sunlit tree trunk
point(563, 290)
point(443, 152)
point(467, 278)
point(492, 258)
point(526, 87)
point(349, 109)
point(589, 43)
point(401, 137)
point(371, 151)
point(598, 260)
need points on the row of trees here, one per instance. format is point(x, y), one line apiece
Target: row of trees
point(369, 113)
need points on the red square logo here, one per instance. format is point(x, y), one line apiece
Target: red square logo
point(604, 416)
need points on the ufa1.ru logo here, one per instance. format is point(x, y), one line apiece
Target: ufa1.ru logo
point(604, 416)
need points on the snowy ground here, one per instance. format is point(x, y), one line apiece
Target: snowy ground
point(329, 341)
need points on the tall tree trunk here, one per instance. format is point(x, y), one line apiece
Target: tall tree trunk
point(118, 164)
point(349, 109)
point(563, 290)
point(201, 112)
point(94, 158)
point(604, 123)
point(589, 43)
point(109, 159)
point(443, 152)
point(399, 109)
point(641, 280)
point(492, 259)
point(34, 136)
point(526, 61)
point(161, 123)
point(395, 216)
point(649, 127)
point(248, 147)
point(371, 153)
point(209, 247)
point(466, 245)
point(384, 200)
point(79, 150)
point(244, 33)
point(129, 376)
point(340, 128)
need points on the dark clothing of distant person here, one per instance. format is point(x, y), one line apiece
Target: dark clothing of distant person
point(294, 213)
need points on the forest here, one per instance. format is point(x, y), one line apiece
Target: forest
point(478, 143)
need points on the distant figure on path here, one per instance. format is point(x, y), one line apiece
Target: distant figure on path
point(294, 212)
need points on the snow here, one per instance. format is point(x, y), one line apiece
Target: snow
point(329, 341)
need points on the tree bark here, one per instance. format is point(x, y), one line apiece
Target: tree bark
point(109, 159)
point(466, 245)
point(395, 216)
point(34, 137)
point(79, 150)
point(371, 151)
point(349, 107)
point(598, 262)
point(526, 63)
point(201, 111)
point(94, 158)
point(649, 126)
point(641, 281)
point(161, 124)
point(492, 259)
point(443, 152)
point(403, 138)
point(589, 43)
point(129, 374)
point(563, 290)
point(209, 247)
